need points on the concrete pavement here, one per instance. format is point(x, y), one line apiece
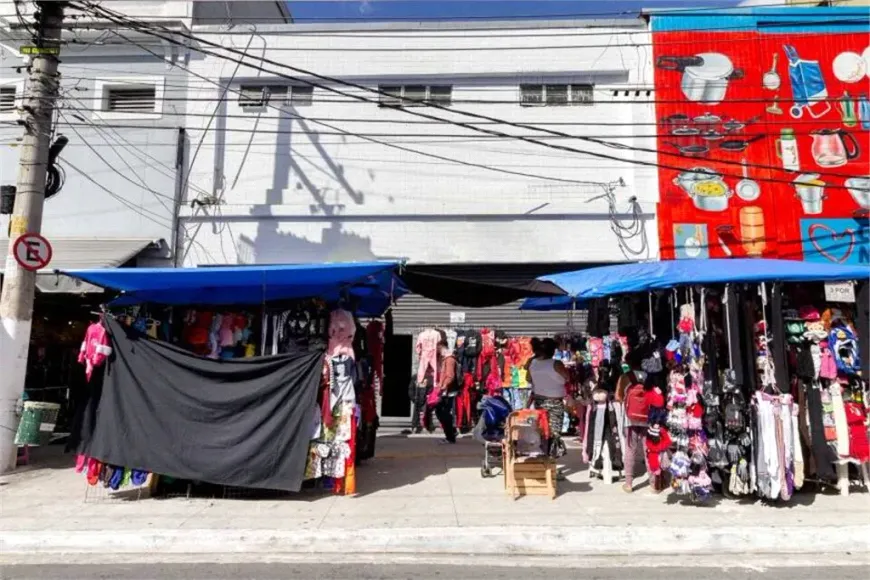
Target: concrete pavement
point(366, 571)
point(420, 498)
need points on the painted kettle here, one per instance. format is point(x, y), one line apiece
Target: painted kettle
point(834, 147)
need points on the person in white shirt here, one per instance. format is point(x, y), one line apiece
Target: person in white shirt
point(548, 377)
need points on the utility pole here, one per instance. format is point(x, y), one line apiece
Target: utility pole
point(16, 302)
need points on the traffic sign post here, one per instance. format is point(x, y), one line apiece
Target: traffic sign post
point(32, 252)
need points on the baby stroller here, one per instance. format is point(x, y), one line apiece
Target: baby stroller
point(489, 430)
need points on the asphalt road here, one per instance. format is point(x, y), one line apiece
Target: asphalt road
point(403, 571)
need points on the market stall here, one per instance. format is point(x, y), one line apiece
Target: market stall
point(243, 377)
point(762, 364)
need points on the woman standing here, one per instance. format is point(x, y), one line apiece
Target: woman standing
point(548, 378)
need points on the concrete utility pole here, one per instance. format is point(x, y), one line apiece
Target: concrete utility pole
point(16, 302)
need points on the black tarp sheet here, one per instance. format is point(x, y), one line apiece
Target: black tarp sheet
point(473, 294)
point(242, 422)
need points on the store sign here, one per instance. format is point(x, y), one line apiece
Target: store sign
point(839, 292)
point(457, 318)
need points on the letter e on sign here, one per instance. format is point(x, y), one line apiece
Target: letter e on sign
point(32, 252)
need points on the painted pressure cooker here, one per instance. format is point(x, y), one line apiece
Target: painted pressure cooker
point(705, 75)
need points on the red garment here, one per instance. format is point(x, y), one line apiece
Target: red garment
point(526, 353)
point(95, 348)
point(375, 342)
point(654, 450)
point(859, 447)
point(487, 355)
point(463, 402)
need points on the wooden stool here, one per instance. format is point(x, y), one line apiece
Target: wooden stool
point(527, 475)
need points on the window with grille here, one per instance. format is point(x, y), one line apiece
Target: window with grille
point(415, 95)
point(556, 95)
point(253, 96)
point(7, 99)
point(301, 96)
point(130, 99)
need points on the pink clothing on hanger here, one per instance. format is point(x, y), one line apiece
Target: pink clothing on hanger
point(427, 349)
point(95, 348)
point(342, 329)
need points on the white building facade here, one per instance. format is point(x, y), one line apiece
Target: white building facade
point(322, 149)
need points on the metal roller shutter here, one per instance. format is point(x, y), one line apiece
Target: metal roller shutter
point(413, 313)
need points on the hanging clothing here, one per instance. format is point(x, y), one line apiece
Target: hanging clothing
point(95, 348)
point(427, 351)
point(375, 342)
point(342, 329)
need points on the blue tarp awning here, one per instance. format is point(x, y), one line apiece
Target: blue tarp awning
point(372, 284)
point(645, 276)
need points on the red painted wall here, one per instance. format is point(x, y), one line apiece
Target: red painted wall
point(766, 218)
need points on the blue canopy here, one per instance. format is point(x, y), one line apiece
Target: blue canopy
point(373, 284)
point(645, 276)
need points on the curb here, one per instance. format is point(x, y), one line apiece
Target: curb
point(518, 541)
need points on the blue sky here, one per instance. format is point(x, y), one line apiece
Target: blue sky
point(306, 10)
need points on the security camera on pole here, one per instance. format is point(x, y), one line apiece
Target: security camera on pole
point(16, 302)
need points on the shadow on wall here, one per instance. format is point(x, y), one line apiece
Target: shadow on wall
point(271, 245)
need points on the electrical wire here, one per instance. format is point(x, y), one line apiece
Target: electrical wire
point(121, 20)
point(386, 143)
point(510, 17)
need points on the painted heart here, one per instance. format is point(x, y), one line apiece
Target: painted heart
point(832, 238)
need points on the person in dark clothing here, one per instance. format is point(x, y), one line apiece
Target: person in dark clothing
point(448, 385)
point(421, 413)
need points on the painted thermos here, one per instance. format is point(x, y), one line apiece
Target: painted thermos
point(787, 150)
point(752, 230)
point(864, 111)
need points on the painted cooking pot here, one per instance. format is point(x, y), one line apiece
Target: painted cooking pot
point(705, 75)
point(708, 189)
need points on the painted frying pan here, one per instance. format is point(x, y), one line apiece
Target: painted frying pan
point(738, 144)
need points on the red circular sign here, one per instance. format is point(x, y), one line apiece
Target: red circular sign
point(32, 252)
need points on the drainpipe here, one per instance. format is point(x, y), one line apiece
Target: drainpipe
point(180, 170)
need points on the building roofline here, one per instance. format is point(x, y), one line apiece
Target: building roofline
point(411, 26)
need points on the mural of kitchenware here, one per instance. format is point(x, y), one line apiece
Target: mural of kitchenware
point(708, 189)
point(705, 75)
point(707, 119)
point(734, 144)
point(712, 135)
point(859, 187)
point(690, 241)
point(864, 111)
point(774, 108)
point(808, 87)
point(834, 147)
point(725, 234)
point(810, 190)
point(747, 189)
point(735, 125)
point(866, 56)
point(752, 231)
point(693, 149)
point(771, 80)
point(848, 114)
point(849, 67)
point(787, 150)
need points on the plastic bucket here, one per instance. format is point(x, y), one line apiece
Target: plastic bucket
point(37, 423)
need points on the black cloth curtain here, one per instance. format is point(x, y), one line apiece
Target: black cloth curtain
point(471, 293)
point(777, 346)
point(732, 319)
point(238, 422)
point(862, 325)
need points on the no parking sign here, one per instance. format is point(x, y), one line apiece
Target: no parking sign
point(32, 252)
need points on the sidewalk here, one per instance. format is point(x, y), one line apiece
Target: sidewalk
point(419, 498)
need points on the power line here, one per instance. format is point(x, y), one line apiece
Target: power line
point(120, 19)
point(725, 10)
point(394, 145)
